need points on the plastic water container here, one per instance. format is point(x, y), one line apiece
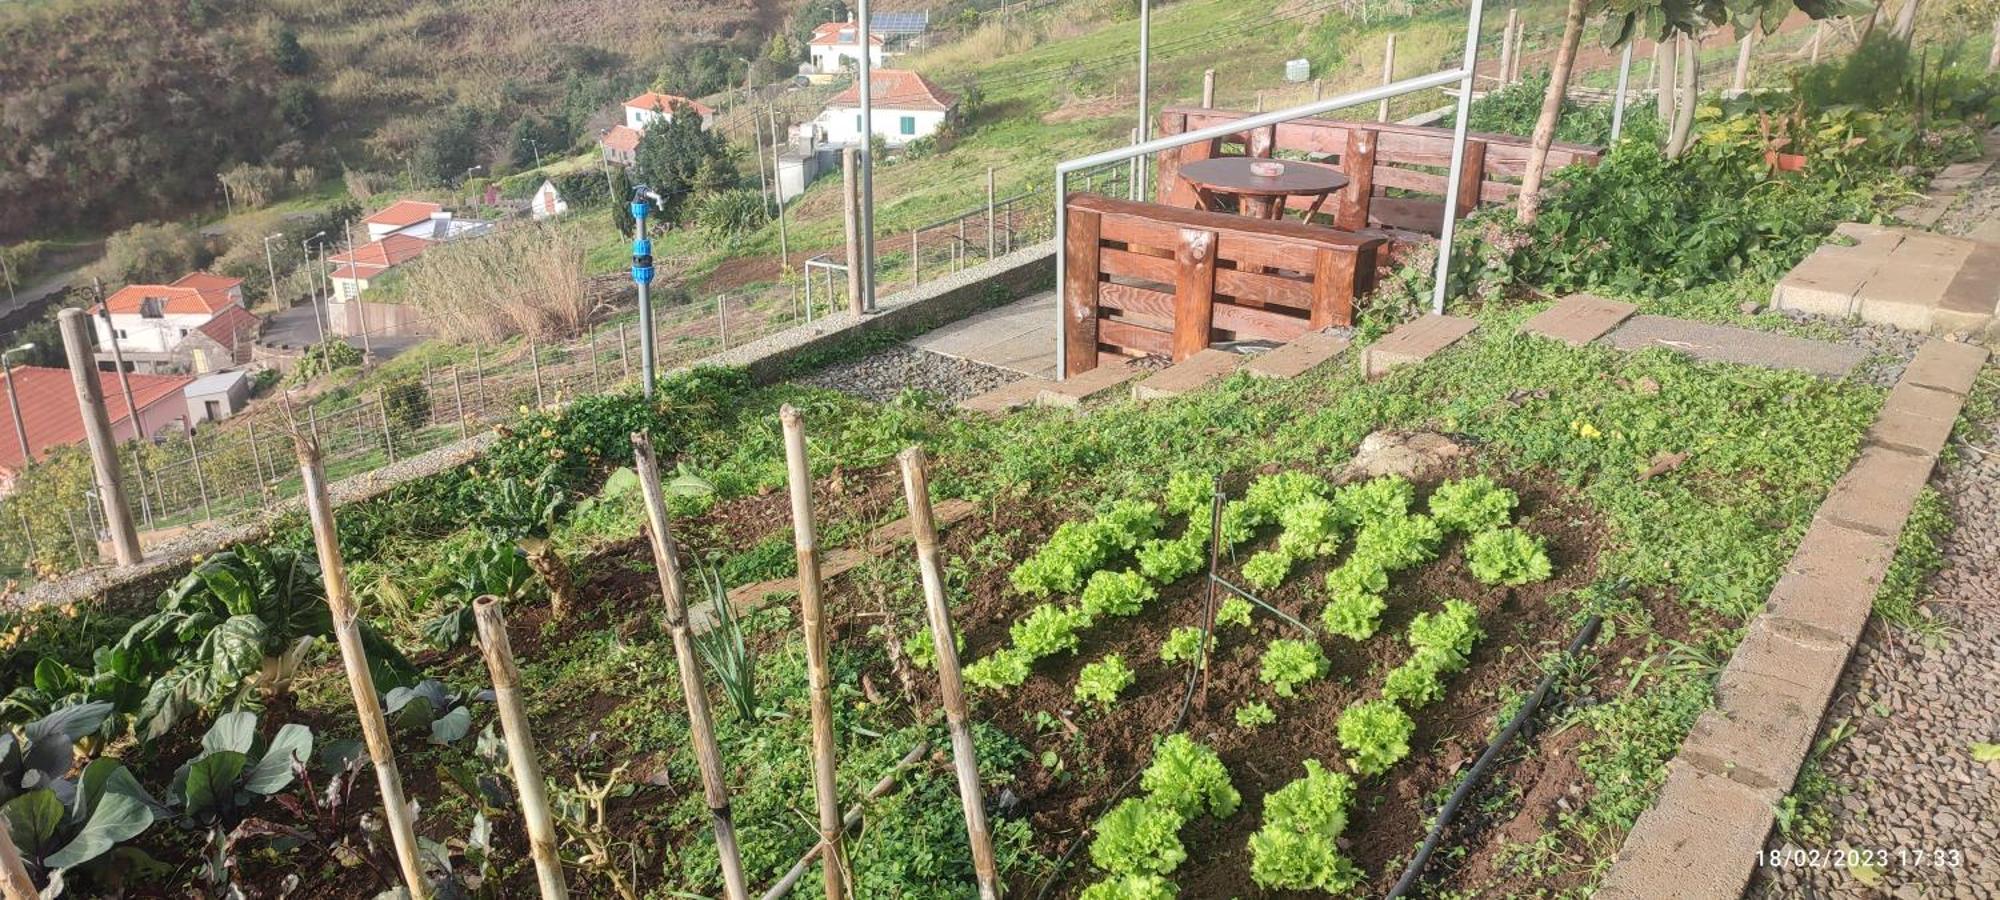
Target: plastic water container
point(1298, 70)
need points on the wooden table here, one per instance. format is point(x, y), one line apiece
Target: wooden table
point(1261, 196)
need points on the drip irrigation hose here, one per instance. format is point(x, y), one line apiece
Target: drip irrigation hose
point(1584, 637)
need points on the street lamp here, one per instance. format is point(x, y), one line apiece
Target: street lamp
point(270, 266)
point(14, 400)
point(312, 284)
point(536, 146)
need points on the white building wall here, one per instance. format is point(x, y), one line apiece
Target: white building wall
point(842, 124)
point(138, 334)
point(832, 58)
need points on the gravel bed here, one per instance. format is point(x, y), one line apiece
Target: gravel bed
point(1908, 787)
point(1975, 206)
point(1889, 348)
point(883, 375)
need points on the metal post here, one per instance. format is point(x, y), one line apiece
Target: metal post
point(867, 180)
point(1145, 77)
point(1388, 75)
point(75, 327)
point(990, 245)
point(642, 276)
point(1471, 65)
point(1062, 272)
point(1618, 102)
point(916, 261)
point(1132, 171)
point(200, 480)
point(382, 406)
point(808, 273)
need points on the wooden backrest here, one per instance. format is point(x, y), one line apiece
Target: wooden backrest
point(1151, 279)
point(1375, 157)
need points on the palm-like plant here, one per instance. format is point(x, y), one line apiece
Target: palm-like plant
point(527, 513)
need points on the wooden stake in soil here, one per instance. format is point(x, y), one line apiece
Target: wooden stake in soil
point(354, 659)
point(951, 687)
point(813, 614)
point(535, 816)
point(14, 881)
point(700, 721)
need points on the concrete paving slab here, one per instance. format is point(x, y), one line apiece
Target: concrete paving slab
point(1878, 492)
point(1413, 342)
point(1698, 842)
point(1916, 418)
point(1948, 366)
point(1020, 336)
point(1298, 356)
point(1742, 346)
point(1089, 385)
point(1825, 283)
point(1578, 319)
point(1188, 375)
point(1007, 397)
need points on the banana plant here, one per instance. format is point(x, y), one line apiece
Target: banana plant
point(527, 513)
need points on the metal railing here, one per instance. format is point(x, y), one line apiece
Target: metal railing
point(1461, 75)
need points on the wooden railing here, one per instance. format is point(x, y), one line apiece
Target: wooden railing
point(1149, 279)
point(1376, 157)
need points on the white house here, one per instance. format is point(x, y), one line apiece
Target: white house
point(212, 398)
point(153, 322)
point(547, 202)
point(353, 269)
point(653, 106)
point(837, 45)
point(420, 219)
point(907, 107)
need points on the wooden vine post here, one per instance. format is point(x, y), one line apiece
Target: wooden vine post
point(700, 721)
point(347, 634)
point(535, 815)
point(813, 613)
point(14, 881)
point(951, 685)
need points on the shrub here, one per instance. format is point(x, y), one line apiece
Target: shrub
point(1254, 715)
point(406, 403)
point(1233, 611)
point(1138, 837)
point(1266, 570)
point(1183, 644)
point(1289, 663)
point(1471, 505)
point(726, 215)
point(1115, 593)
point(1003, 669)
point(1188, 778)
point(1507, 556)
point(1047, 630)
point(1102, 681)
point(1376, 735)
point(1296, 847)
point(326, 356)
point(1131, 887)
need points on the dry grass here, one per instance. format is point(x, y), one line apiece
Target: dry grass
point(526, 279)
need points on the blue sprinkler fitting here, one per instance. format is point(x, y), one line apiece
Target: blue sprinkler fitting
point(642, 261)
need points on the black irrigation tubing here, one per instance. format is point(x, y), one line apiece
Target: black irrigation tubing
point(1584, 637)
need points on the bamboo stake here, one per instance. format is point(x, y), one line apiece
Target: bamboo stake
point(347, 633)
point(917, 489)
point(834, 860)
point(700, 721)
point(784, 885)
point(541, 826)
point(14, 881)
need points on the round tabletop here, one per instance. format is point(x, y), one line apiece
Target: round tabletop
point(1232, 175)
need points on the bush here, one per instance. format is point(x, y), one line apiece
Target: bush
point(407, 403)
point(327, 356)
point(725, 215)
point(593, 435)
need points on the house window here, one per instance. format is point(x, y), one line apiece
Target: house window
point(857, 123)
point(909, 125)
point(150, 308)
point(122, 335)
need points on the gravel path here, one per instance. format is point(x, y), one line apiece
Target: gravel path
point(1907, 785)
point(883, 375)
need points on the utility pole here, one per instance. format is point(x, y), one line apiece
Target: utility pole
point(312, 284)
point(14, 401)
point(867, 38)
point(778, 192)
point(97, 427)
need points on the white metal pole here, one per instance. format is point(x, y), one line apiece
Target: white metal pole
point(1470, 65)
point(1145, 77)
point(1062, 273)
point(1618, 102)
point(867, 39)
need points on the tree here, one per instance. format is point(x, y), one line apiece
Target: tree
point(151, 253)
point(286, 52)
point(678, 159)
point(449, 148)
point(621, 195)
point(298, 107)
point(1552, 101)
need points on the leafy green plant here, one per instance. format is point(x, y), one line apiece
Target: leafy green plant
point(1183, 644)
point(1138, 837)
point(922, 651)
point(1397, 542)
point(1376, 735)
point(1102, 681)
point(1270, 495)
point(1001, 669)
point(60, 826)
point(1254, 715)
point(1442, 643)
point(1507, 556)
point(1365, 503)
point(1167, 560)
point(527, 512)
point(1414, 684)
point(326, 356)
point(1111, 593)
point(492, 567)
point(1472, 505)
point(1311, 528)
point(1131, 887)
point(1233, 611)
point(443, 715)
point(1189, 493)
point(234, 772)
point(1048, 630)
point(1267, 569)
point(1189, 778)
point(1288, 663)
point(1295, 848)
point(1355, 605)
point(723, 649)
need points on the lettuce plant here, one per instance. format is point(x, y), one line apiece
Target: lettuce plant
point(1398, 542)
point(1102, 681)
point(1189, 493)
point(1060, 566)
point(1267, 569)
point(1472, 505)
point(1354, 609)
point(1414, 684)
point(1111, 593)
point(1167, 560)
point(1272, 494)
point(1442, 643)
point(1183, 644)
point(1312, 528)
point(1049, 629)
point(1189, 778)
point(1138, 837)
point(1296, 847)
point(1507, 556)
point(1003, 669)
point(1131, 887)
point(1376, 735)
point(1378, 499)
point(1233, 611)
point(1254, 715)
point(1289, 663)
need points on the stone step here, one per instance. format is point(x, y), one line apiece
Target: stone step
point(1413, 342)
point(1191, 374)
point(1578, 319)
point(1301, 355)
point(1912, 280)
point(1742, 346)
point(1007, 397)
point(1082, 387)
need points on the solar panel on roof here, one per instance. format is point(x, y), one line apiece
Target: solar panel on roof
point(916, 22)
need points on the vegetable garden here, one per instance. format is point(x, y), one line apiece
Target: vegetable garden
point(1291, 726)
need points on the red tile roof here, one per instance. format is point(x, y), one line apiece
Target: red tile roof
point(393, 250)
point(225, 328)
point(131, 299)
point(48, 405)
point(208, 282)
point(404, 212)
point(841, 34)
point(898, 89)
point(621, 139)
point(657, 102)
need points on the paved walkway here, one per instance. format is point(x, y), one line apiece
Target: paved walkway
point(1020, 336)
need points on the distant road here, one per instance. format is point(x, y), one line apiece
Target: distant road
point(29, 299)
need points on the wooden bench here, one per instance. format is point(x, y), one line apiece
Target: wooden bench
point(1150, 279)
point(1377, 158)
